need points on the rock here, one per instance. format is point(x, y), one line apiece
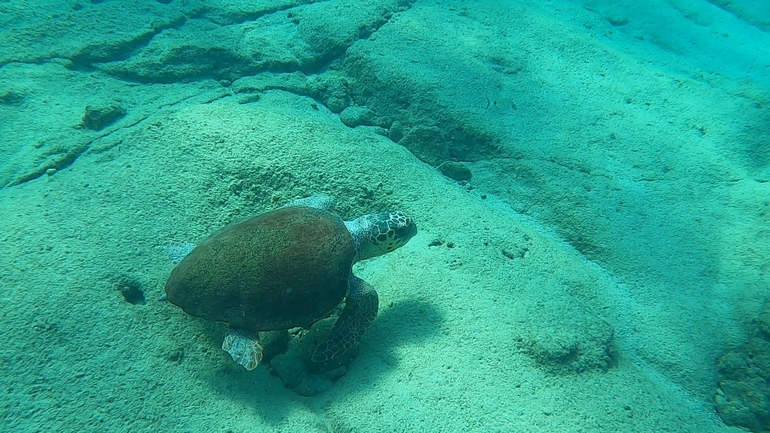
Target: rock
point(98, 116)
point(573, 352)
point(298, 372)
point(274, 343)
point(12, 97)
point(331, 88)
point(565, 338)
point(357, 116)
point(742, 398)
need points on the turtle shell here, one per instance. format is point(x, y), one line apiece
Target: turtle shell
point(279, 270)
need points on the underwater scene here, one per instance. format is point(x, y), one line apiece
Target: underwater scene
point(384, 216)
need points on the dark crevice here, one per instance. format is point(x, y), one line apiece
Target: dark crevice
point(85, 60)
point(100, 53)
point(70, 156)
point(210, 66)
point(64, 161)
point(364, 33)
point(206, 14)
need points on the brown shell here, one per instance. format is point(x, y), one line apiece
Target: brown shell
point(279, 270)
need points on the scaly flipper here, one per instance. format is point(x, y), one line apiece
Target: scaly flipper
point(360, 310)
point(244, 347)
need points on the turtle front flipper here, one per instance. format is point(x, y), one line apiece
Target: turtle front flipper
point(244, 347)
point(360, 310)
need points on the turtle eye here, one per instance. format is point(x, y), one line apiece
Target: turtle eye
point(382, 237)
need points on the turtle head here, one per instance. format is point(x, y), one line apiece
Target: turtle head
point(382, 233)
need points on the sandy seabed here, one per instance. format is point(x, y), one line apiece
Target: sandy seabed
point(590, 181)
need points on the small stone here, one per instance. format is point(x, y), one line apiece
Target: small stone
point(353, 116)
point(98, 116)
point(436, 242)
point(336, 105)
point(295, 369)
point(356, 116)
point(274, 343)
point(12, 97)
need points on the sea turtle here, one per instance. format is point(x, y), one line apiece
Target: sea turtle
point(287, 268)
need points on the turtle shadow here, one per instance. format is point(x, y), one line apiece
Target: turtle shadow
point(410, 321)
point(257, 389)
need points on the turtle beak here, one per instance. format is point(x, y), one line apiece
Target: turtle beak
point(408, 231)
point(411, 229)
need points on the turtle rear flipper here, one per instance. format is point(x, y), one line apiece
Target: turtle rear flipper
point(244, 347)
point(319, 201)
point(360, 311)
point(178, 250)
